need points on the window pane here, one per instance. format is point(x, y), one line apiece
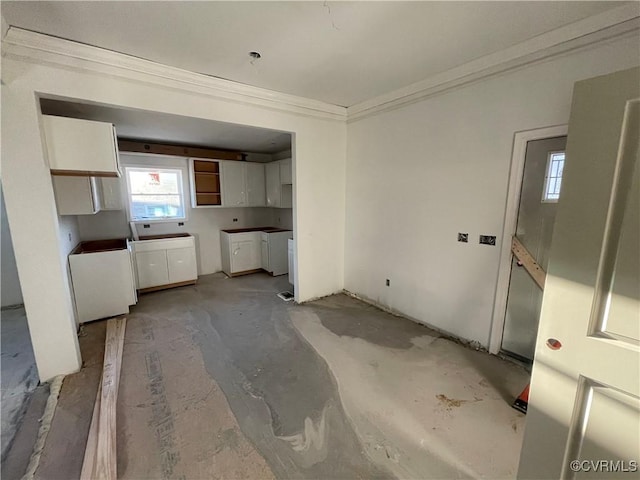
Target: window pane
point(156, 206)
point(150, 182)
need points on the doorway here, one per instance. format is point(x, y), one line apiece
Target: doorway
point(534, 185)
point(539, 194)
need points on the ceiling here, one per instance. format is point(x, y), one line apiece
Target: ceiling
point(338, 52)
point(165, 128)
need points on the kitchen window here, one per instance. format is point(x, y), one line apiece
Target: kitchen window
point(155, 194)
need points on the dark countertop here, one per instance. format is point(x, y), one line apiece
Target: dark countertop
point(257, 229)
point(164, 236)
point(94, 246)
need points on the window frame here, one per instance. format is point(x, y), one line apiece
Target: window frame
point(181, 193)
point(547, 176)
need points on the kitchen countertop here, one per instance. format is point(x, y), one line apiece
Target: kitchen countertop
point(164, 236)
point(257, 229)
point(94, 246)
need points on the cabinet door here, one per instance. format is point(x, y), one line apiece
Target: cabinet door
point(245, 255)
point(285, 172)
point(272, 173)
point(256, 192)
point(75, 195)
point(111, 199)
point(85, 146)
point(182, 264)
point(265, 254)
point(233, 184)
point(152, 268)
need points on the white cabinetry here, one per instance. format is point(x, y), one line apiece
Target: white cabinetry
point(111, 196)
point(274, 252)
point(76, 195)
point(256, 191)
point(240, 252)
point(279, 195)
point(81, 147)
point(165, 262)
point(243, 184)
point(286, 177)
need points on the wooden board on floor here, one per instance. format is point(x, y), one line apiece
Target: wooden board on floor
point(100, 453)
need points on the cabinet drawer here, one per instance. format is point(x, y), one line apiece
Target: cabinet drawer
point(165, 244)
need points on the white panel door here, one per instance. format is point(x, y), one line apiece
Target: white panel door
point(111, 194)
point(584, 405)
point(256, 190)
point(181, 263)
point(233, 184)
point(152, 268)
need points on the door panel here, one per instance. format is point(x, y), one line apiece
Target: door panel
point(584, 396)
point(152, 268)
point(534, 230)
point(182, 264)
point(245, 256)
point(256, 192)
point(233, 184)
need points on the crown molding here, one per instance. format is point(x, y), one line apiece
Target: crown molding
point(40, 48)
point(613, 23)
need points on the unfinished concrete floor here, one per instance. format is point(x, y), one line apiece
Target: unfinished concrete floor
point(225, 380)
point(19, 375)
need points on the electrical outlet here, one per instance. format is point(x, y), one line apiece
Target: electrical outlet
point(181, 224)
point(463, 237)
point(488, 240)
point(235, 219)
point(388, 282)
point(146, 225)
point(70, 237)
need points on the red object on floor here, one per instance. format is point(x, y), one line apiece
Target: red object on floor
point(522, 401)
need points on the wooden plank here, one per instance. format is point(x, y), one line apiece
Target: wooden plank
point(90, 450)
point(105, 466)
point(138, 146)
point(528, 262)
point(83, 173)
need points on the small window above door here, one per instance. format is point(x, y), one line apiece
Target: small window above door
point(553, 177)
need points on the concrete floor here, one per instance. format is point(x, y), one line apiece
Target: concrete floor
point(225, 380)
point(19, 375)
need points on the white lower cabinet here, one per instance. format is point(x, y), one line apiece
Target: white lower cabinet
point(247, 252)
point(165, 262)
point(240, 252)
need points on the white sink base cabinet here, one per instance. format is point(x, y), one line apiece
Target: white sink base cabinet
point(240, 253)
point(165, 263)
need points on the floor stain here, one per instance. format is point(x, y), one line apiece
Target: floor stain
point(450, 402)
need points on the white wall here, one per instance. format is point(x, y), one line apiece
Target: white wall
point(68, 238)
point(9, 284)
point(318, 168)
point(203, 223)
point(418, 175)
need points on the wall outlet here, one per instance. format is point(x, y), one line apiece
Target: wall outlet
point(146, 225)
point(488, 240)
point(235, 219)
point(388, 282)
point(181, 224)
point(463, 237)
point(70, 237)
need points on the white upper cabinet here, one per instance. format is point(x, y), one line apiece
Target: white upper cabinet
point(81, 147)
point(234, 190)
point(111, 198)
point(279, 195)
point(243, 184)
point(256, 191)
point(285, 172)
point(76, 195)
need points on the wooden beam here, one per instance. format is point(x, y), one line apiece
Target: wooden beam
point(528, 262)
point(100, 453)
point(138, 146)
point(88, 464)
